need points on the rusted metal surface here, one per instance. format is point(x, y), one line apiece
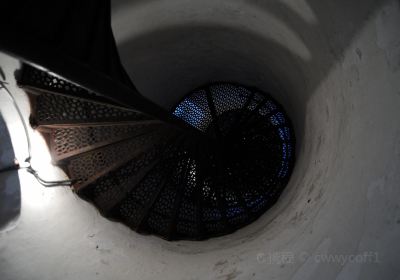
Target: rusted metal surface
point(67, 142)
point(90, 166)
point(51, 109)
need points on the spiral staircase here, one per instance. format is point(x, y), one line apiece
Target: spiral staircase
point(220, 161)
point(218, 174)
point(214, 164)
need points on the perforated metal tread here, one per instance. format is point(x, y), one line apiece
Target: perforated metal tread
point(134, 208)
point(88, 167)
point(49, 109)
point(36, 80)
point(66, 142)
point(108, 191)
point(163, 216)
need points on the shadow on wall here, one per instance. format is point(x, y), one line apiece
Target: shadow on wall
point(336, 23)
point(201, 53)
point(10, 190)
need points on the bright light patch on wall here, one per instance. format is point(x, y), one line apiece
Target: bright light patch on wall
point(12, 99)
point(41, 159)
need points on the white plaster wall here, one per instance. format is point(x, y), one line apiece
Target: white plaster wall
point(334, 65)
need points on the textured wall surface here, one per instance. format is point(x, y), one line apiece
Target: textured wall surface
point(335, 65)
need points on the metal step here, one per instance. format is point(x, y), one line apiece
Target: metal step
point(51, 109)
point(90, 166)
point(134, 207)
point(36, 80)
point(162, 217)
point(66, 142)
point(112, 188)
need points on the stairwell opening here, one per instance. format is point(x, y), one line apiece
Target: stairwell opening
point(245, 163)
